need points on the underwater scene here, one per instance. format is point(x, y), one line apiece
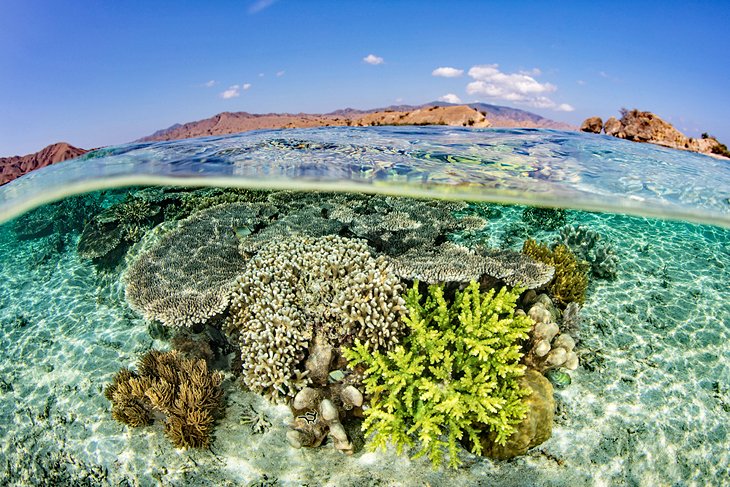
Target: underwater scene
point(376, 306)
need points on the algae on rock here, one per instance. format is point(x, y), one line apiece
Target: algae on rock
point(456, 373)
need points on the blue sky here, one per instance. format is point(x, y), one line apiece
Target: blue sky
point(96, 73)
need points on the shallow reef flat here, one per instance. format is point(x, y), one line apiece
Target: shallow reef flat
point(649, 403)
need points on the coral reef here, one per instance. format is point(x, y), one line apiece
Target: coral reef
point(544, 218)
point(455, 374)
point(587, 245)
point(572, 320)
point(108, 235)
point(450, 262)
point(63, 217)
point(181, 389)
point(188, 276)
point(548, 348)
point(319, 409)
point(535, 428)
point(570, 281)
point(298, 288)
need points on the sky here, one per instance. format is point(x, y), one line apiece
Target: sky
point(96, 73)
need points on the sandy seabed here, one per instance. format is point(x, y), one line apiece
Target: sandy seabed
point(649, 405)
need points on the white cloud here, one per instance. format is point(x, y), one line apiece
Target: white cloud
point(515, 87)
point(447, 72)
point(231, 92)
point(261, 75)
point(260, 5)
point(373, 59)
point(450, 98)
point(531, 72)
point(246, 86)
point(581, 82)
point(210, 84)
point(564, 107)
point(279, 74)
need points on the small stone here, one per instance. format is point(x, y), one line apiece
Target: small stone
point(350, 395)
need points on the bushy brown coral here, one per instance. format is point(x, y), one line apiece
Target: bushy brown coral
point(571, 279)
point(299, 287)
point(181, 389)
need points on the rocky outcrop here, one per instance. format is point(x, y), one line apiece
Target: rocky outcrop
point(593, 125)
point(459, 115)
point(612, 126)
point(15, 166)
point(641, 126)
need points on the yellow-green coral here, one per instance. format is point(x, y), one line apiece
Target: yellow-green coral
point(455, 373)
point(571, 277)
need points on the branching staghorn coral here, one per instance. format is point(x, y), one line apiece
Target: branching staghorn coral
point(455, 374)
point(183, 390)
point(586, 244)
point(188, 276)
point(570, 281)
point(298, 288)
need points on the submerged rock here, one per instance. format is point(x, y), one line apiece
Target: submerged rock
point(537, 426)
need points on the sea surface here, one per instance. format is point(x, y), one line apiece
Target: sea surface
point(649, 403)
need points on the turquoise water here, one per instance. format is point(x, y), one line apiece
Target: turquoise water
point(648, 404)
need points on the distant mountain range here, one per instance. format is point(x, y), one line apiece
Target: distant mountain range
point(15, 166)
point(440, 113)
point(234, 122)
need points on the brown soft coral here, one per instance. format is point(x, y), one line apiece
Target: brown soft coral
point(181, 389)
point(571, 275)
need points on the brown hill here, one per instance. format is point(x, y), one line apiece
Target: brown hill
point(436, 113)
point(15, 166)
point(459, 116)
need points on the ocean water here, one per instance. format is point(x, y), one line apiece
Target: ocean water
point(648, 404)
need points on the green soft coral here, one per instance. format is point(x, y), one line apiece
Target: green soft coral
point(456, 372)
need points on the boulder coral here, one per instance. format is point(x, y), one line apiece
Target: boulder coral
point(535, 428)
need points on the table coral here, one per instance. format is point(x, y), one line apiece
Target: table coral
point(188, 276)
point(450, 262)
point(455, 374)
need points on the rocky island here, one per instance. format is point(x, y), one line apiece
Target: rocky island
point(641, 126)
